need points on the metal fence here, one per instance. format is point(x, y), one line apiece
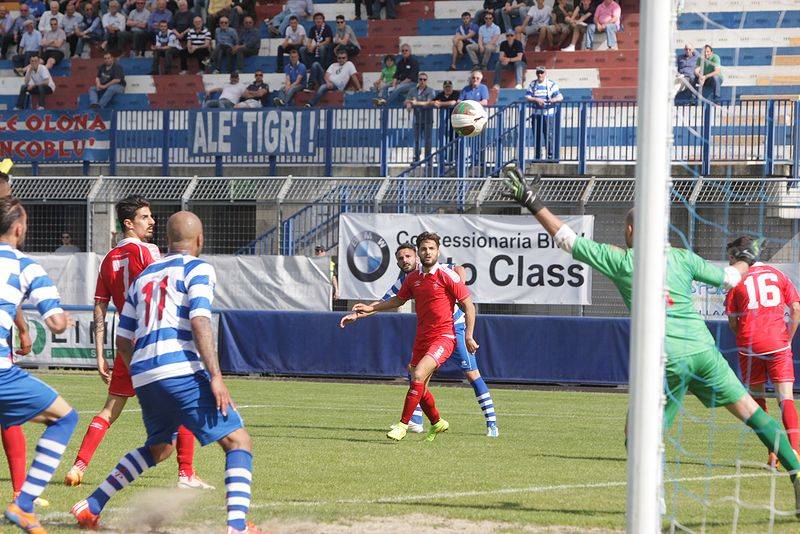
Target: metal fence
point(291, 215)
point(765, 131)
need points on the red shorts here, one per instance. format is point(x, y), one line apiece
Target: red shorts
point(778, 366)
point(121, 384)
point(438, 347)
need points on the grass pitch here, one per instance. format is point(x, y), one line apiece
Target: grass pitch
point(322, 458)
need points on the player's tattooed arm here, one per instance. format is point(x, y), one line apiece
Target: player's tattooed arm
point(100, 309)
point(204, 341)
point(469, 322)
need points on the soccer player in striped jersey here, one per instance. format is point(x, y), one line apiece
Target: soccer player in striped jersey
point(408, 261)
point(119, 269)
point(165, 337)
point(24, 398)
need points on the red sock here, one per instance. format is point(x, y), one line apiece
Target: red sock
point(428, 405)
point(413, 396)
point(14, 445)
point(789, 413)
point(94, 435)
point(185, 447)
point(761, 401)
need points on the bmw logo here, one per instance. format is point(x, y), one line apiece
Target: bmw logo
point(368, 256)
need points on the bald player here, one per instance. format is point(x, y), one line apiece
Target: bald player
point(164, 335)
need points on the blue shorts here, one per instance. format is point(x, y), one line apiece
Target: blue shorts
point(188, 401)
point(22, 396)
point(462, 356)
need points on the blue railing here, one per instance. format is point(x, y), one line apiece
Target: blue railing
point(762, 131)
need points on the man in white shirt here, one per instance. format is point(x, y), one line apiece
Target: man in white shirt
point(114, 26)
point(537, 19)
point(336, 78)
point(44, 20)
point(294, 39)
point(37, 82)
point(231, 94)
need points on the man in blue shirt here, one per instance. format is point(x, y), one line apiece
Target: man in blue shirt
point(294, 81)
point(543, 94)
point(488, 39)
point(29, 43)
point(686, 77)
point(466, 34)
point(226, 39)
point(475, 90)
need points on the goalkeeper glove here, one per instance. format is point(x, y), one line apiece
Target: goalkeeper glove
point(519, 190)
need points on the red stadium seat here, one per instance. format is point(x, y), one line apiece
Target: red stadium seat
point(620, 93)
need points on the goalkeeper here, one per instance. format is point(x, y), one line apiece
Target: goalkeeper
point(693, 361)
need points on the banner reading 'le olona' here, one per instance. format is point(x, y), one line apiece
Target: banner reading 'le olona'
point(507, 258)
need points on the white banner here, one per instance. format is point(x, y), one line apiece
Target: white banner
point(508, 258)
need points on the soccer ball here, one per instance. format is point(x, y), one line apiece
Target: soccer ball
point(468, 118)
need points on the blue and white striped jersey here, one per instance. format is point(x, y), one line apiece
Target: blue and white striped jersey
point(157, 313)
point(23, 279)
point(458, 315)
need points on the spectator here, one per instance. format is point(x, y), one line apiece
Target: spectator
point(475, 89)
point(138, 28)
point(512, 57)
point(319, 42)
point(248, 43)
point(226, 39)
point(110, 82)
point(165, 45)
point(511, 14)
point(29, 45)
point(294, 81)
point(37, 82)
point(257, 93)
point(71, 22)
point(378, 5)
point(294, 39)
point(44, 20)
point(182, 20)
point(302, 9)
point(581, 17)
point(114, 26)
point(90, 30)
point(18, 28)
point(37, 8)
point(709, 72)
point(606, 19)
point(6, 31)
point(405, 79)
point(686, 64)
point(488, 39)
point(558, 31)
point(345, 39)
point(537, 18)
point(198, 44)
point(54, 45)
point(384, 81)
point(447, 97)
point(367, 4)
point(336, 78)
point(543, 93)
point(230, 95)
point(495, 7)
point(319, 251)
point(421, 102)
point(157, 15)
point(238, 10)
point(66, 245)
point(466, 34)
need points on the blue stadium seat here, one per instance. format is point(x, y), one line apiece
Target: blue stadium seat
point(761, 19)
point(265, 63)
point(8, 101)
point(508, 96)
point(725, 19)
point(788, 51)
point(5, 64)
point(62, 69)
point(359, 100)
point(133, 66)
point(438, 26)
point(751, 57)
point(690, 21)
point(123, 101)
point(791, 19)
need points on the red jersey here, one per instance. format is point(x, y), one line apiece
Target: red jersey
point(760, 301)
point(120, 268)
point(435, 294)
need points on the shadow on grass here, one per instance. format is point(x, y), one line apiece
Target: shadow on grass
point(511, 506)
point(317, 427)
point(376, 441)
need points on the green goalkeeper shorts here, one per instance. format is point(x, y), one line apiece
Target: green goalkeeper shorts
point(707, 375)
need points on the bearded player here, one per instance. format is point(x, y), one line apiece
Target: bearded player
point(435, 289)
point(755, 311)
point(693, 361)
point(119, 269)
point(408, 261)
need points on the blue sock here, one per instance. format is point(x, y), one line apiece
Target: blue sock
point(238, 477)
point(48, 455)
point(416, 418)
point(485, 401)
point(129, 468)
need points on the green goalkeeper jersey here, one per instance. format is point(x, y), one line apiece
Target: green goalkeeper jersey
point(686, 331)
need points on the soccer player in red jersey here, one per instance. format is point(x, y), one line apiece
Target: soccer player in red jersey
point(756, 308)
point(119, 269)
point(435, 290)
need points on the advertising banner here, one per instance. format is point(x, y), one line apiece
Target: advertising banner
point(51, 136)
point(508, 258)
point(250, 133)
